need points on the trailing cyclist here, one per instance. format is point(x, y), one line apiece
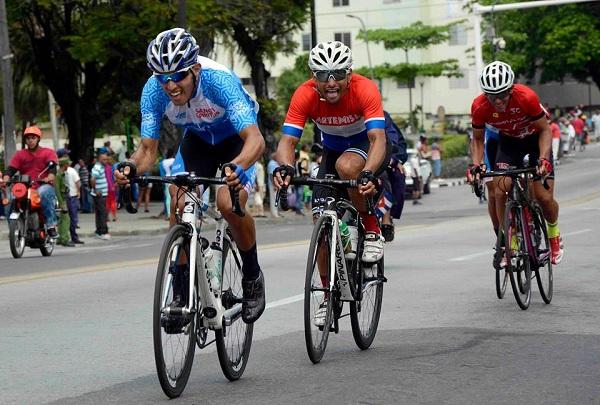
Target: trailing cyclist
point(220, 122)
point(515, 111)
point(347, 109)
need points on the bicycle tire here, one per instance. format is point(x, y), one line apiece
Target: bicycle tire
point(16, 236)
point(364, 314)
point(314, 294)
point(541, 243)
point(173, 376)
point(501, 273)
point(48, 246)
point(234, 342)
point(517, 260)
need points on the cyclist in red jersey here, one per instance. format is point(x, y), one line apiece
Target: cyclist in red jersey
point(347, 108)
point(515, 110)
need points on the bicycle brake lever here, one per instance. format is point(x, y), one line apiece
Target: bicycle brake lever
point(235, 200)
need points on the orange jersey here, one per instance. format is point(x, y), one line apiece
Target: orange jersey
point(343, 124)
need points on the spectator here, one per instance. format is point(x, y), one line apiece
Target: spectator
point(121, 152)
point(436, 159)
point(62, 191)
point(84, 191)
point(109, 150)
point(572, 132)
point(3, 200)
point(301, 164)
point(596, 125)
point(73, 187)
point(555, 140)
point(579, 125)
point(111, 198)
point(272, 165)
point(165, 170)
point(99, 186)
point(259, 190)
point(144, 194)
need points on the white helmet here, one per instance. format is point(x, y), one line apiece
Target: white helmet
point(496, 78)
point(172, 50)
point(332, 55)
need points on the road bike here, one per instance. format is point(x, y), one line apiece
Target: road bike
point(523, 241)
point(338, 277)
point(210, 305)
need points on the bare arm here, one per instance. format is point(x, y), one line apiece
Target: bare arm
point(477, 146)
point(285, 156)
point(254, 146)
point(376, 149)
point(145, 154)
point(545, 140)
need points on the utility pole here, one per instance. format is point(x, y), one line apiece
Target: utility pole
point(181, 17)
point(313, 25)
point(7, 87)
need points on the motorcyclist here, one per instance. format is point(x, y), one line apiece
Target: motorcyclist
point(33, 162)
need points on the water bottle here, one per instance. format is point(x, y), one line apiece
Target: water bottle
point(353, 230)
point(345, 234)
point(212, 259)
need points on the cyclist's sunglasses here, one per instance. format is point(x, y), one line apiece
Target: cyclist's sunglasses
point(175, 76)
point(494, 97)
point(324, 75)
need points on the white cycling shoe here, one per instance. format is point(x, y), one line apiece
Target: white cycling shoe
point(321, 314)
point(372, 248)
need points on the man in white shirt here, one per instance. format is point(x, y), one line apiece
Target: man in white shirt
point(596, 124)
point(73, 184)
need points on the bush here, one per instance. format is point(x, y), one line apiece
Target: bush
point(454, 146)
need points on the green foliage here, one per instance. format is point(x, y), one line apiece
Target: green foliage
point(562, 40)
point(289, 80)
point(454, 146)
point(419, 36)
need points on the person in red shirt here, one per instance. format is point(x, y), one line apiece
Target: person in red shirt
point(555, 140)
point(515, 110)
point(33, 161)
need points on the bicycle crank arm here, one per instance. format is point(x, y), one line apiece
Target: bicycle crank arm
point(232, 315)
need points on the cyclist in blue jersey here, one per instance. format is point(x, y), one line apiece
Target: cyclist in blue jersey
point(220, 122)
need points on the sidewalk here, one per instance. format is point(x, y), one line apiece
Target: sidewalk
point(149, 223)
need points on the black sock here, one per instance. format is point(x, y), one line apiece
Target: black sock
point(250, 266)
point(496, 231)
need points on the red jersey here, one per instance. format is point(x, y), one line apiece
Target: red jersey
point(32, 163)
point(342, 124)
point(578, 124)
point(517, 120)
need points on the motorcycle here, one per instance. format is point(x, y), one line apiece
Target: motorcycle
point(26, 222)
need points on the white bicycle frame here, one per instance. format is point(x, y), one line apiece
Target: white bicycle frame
point(337, 260)
point(214, 314)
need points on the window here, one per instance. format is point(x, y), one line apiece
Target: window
point(337, 3)
point(458, 35)
point(343, 37)
point(460, 82)
point(405, 85)
point(306, 42)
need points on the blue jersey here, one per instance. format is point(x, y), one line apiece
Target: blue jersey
point(221, 108)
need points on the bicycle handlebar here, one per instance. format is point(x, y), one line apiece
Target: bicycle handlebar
point(182, 180)
point(513, 173)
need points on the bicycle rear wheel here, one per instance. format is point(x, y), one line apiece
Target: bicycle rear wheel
point(316, 289)
point(501, 273)
point(234, 341)
point(364, 314)
point(543, 272)
point(173, 347)
point(517, 255)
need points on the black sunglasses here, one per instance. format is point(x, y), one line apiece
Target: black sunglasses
point(494, 97)
point(324, 75)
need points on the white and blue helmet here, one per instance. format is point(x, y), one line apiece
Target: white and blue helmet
point(172, 50)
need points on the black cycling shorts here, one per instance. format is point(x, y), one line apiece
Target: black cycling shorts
point(327, 166)
point(512, 151)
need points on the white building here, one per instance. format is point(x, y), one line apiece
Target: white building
point(453, 94)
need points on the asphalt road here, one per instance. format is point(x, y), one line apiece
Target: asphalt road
point(76, 328)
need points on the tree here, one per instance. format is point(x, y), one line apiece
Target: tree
point(414, 36)
point(90, 54)
point(561, 41)
point(261, 30)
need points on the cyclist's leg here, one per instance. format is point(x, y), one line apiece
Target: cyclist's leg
point(243, 231)
point(490, 151)
point(548, 203)
point(509, 154)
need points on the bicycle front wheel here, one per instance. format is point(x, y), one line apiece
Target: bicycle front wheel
point(517, 255)
point(173, 346)
point(234, 341)
point(541, 243)
point(501, 273)
point(364, 314)
point(318, 312)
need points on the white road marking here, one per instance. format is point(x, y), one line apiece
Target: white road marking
point(285, 301)
point(474, 255)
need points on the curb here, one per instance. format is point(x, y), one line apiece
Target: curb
point(449, 183)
